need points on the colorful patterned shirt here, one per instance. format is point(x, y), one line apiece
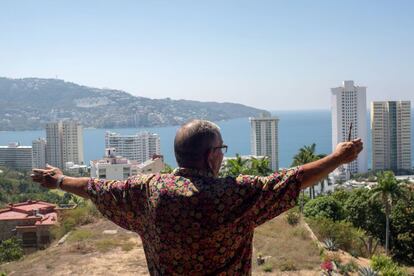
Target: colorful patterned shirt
point(192, 223)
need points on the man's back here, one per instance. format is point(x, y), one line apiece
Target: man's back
point(193, 223)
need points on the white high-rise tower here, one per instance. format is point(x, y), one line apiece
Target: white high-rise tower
point(139, 147)
point(264, 138)
point(349, 105)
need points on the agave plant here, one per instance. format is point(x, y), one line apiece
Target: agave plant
point(330, 245)
point(367, 271)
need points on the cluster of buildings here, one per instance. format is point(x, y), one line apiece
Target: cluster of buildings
point(390, 129)
point(63, 148)
point(63, 145)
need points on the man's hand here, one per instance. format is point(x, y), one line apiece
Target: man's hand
point(347, 152)
point(317, 170)
point(47, 177)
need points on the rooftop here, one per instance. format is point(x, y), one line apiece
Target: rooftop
point(42, 212)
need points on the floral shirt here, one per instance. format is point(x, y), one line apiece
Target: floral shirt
point(192, 223)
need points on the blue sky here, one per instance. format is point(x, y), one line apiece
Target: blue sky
point(275, 55)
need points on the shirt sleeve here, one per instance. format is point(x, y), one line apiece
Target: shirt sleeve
point(269, 196)
point(122, 202)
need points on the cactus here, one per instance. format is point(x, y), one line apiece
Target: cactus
point(367, 271)
point(330, 245)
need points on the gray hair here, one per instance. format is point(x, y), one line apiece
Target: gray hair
point(193, 140)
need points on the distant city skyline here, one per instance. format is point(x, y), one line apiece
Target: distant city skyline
point(234, 51)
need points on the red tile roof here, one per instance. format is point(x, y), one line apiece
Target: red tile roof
point(27, 210)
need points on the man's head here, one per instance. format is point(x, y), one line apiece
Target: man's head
point(198, 145)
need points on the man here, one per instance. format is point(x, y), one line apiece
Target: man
point(192, 222)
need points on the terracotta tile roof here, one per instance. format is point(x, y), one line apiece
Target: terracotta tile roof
point(27, 210)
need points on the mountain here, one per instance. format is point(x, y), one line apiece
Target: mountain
point(29, 103)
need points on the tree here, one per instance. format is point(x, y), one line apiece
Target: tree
point(260, 166)
point(363, 212)
point(305, 155)
point(236, 166)
point(402, 228)
point(10, 250)
point(167, 169)
point(387, 190)
point(324, 206)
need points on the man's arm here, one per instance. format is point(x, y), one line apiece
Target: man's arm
point(345, 152)
point(265, 197)
point(49, 177)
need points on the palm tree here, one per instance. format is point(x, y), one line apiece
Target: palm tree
point(236, 166)
point(260, 166)
point(305, 155)
point(387, 190)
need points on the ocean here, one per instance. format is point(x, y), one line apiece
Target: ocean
point(296, 129)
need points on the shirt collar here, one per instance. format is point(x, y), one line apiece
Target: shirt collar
point(192, 172)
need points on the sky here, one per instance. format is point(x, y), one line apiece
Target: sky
point(275, 55)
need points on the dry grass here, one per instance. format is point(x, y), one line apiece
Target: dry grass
point(287, 248)
point(86, 252)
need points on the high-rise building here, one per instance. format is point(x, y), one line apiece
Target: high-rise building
point(72, 142)
point(264, 138)
point(54, 144)
point(39, 153)
point(64, 143)
point(391, 135)
point(349, 106)
point(139, 147)
point(16, 156)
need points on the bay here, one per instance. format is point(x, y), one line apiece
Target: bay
point(296, 129)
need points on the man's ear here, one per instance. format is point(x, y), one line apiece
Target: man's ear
point(209, 159)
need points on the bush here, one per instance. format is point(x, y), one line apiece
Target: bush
point(324, 206)
point(11, 250)
point(267, 267)
point(72, 218)
point(342, 233)
point(347, 268)
point(387, 266)
point(292, 217)
point(287, 266)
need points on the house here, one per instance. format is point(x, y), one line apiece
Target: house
point(29, 221)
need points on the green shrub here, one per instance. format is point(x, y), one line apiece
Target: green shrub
point(343, 234)
point(11, 250)
point(287, 266)
point(324, 206)
point(348, 268)
point(387, 266)
point(72, 218)
point(267, 267)
point(292, 217)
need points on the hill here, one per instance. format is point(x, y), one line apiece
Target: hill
point(29, 103)
point(88, 251)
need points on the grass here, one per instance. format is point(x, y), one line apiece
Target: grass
point(80, 235)
point(267, 267)
point(105, 245)
point(289, 247)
